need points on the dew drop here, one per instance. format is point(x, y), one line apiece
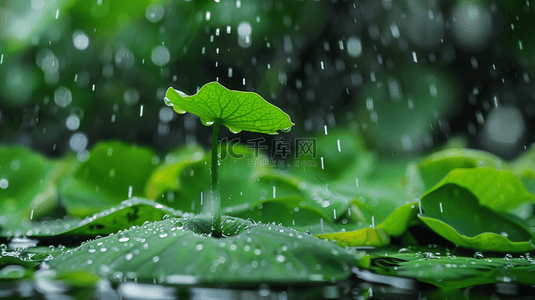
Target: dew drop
point(235, 130)
point(167, 101)
point(286, 130)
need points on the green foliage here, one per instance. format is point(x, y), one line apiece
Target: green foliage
point(455, 213)
point(113, 172)
point(135, 211)
point(498, 190)
point(449, 271)
point(428, 171)
point(27, 183)
point(375, 237)
point(246, 188)
point(235, 109)
point(180, 251)
point(469, 207)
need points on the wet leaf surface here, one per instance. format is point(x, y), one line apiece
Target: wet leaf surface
point(449, 271)
point(456, 214)
point(178, 251)
point(234, 109)
point(135, 211)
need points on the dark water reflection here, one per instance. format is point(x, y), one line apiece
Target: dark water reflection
point(353, 289)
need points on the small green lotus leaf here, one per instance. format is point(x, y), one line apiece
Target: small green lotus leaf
point(455, 213)
point(235, 109)
point(179, 251)
point(113, 172)
point(131, 212)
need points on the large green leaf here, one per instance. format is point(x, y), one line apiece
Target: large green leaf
point(113, 172)
point(453, 212)
point(235, 109)
point(131, 212)
point(499, 190)
point(180, 251)
point(27, 184)
point(426, 172)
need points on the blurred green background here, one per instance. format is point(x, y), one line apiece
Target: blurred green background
point(408, 75)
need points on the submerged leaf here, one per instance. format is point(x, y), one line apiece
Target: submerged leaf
point(456, 214)
point(453, 272)
point(235, 109)
point(177, 251)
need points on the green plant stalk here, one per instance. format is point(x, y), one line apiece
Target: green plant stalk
point(215, 198)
